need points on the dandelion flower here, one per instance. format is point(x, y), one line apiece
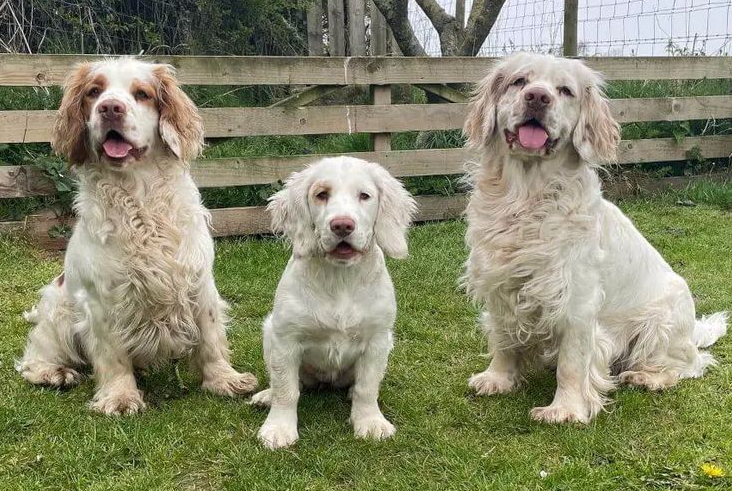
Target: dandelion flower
point(711, 470)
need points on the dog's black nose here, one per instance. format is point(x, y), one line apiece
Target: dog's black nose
point(342, 226)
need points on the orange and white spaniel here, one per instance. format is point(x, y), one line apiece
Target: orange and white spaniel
point(137, 287)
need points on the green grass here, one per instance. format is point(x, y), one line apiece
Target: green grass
point(446, 439)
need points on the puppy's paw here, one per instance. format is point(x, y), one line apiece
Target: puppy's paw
point(277, 435)
point(559, 414)
point(649, 380)
point(50, 374)
point(262, 398)
point(376, 428)
point(118, 403)
point(230, 383)
point(489, 382)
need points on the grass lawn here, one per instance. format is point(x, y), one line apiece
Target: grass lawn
point(446, 439)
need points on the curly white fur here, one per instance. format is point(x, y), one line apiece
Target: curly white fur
point(137, 287)
point(563, 275)
point(333, 316)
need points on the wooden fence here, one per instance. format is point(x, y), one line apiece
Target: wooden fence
point(320, 74)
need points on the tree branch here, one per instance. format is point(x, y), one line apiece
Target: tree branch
point(436, 14)
point(483, 15)
point(397, 16)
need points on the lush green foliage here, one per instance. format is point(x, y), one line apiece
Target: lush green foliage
point(215, 27)
point(446, 439)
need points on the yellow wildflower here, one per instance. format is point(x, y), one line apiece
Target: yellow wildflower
point(711, 470)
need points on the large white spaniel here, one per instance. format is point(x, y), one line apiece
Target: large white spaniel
point(137, 287)
point(563, 275)
point(334, 309)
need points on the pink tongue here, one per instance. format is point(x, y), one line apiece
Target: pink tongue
point(116, 149)
point(531, 136)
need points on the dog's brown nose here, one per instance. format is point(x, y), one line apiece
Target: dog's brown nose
point(112, 109)
point(342, 226)
point(538, 98)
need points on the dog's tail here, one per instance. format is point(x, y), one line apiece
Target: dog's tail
point(709, 329)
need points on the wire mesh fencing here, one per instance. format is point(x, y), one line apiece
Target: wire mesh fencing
point(604, 27)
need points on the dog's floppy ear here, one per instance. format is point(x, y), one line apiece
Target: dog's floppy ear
point(480, 123)
point(291, 214)
point(69, 136)
point(597, 134)
point(181, 127)
point(396, 210)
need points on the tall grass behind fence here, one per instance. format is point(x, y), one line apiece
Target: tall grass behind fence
point(381, 119)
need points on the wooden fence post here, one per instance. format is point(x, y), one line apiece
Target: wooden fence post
point(460, 12)
point(381, 95)
point(315, 29)
point(336, 28)
point(570, 27)
point(356, 28)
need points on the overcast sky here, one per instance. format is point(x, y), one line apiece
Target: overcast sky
point(605, 27)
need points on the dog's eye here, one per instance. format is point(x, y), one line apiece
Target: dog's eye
point(94, 92)
point(519, 82)
point(323, 196)
point(141, 95)
point(564, 90)
point(364, 196)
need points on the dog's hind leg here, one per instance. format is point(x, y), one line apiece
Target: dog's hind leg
point(51, 352)
point(667, 341)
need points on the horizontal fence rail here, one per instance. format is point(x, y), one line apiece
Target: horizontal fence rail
point(292, 117)
point(25, 180)
point(45, 70)
point(250, 220)
point(35, 126)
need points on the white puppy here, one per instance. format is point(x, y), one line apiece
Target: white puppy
point(564, 276)
point(334, 308)
point(137, 287)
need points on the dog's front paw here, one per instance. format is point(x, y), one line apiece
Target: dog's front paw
point(118, 403)
point(376, 428)
point(262, 398)
point(231, 383)
point(489, 382)
point(59, 376)
point(559, 414)
point(277, 435)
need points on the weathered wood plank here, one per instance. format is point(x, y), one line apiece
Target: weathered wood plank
point(306, 96)
point(22, 181)
point(336, 28)
point(43, 70)
point(251, 220)
point(18, 181)
point(35, 126)
point(356, 27)
point(255, 220)
point(672, 108)
point(445, 92)
point(378, 31)
point(315, 29)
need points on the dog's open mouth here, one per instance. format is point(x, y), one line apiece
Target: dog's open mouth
point(343, 251)
point(531, 135)
point(117, 148)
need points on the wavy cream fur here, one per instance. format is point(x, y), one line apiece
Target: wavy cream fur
point(137, 287)
point(332, 319)
point(563, 276)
